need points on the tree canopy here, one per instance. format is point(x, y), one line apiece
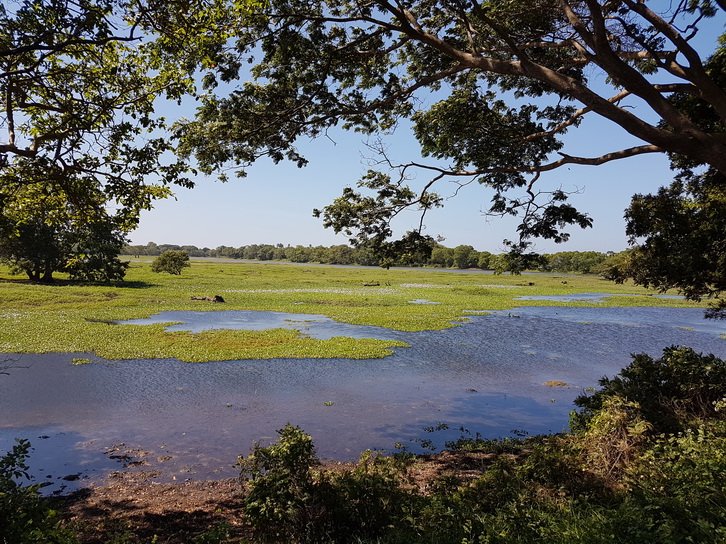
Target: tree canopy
point(42, 232)
point(679, 237)
point(489, 89)
point(80, 85)
point(171, 262)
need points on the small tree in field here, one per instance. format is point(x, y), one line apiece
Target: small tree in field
point(171, 261)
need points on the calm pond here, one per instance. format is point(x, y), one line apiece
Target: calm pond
point(190, 421)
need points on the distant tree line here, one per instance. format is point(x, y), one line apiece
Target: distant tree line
point(460, 257)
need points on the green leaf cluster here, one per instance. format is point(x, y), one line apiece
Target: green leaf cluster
point(679, 239)
point(670, 391)
point(81, 83)
point(289, 500)
point(43, 232)
point(172, 262)
point(488, 90)
point(25, 516)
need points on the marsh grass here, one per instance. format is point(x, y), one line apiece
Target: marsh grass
point(76, 318)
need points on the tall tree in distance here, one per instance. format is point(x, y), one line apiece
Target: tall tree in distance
point(489, 88)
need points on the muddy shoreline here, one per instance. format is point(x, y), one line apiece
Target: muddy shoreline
point(134, 504)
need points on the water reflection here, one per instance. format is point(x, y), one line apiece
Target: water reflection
point(587, 297)
point(315, 326)
point(190, 421)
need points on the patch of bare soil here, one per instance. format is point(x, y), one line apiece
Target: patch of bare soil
point(129, 508)
point(466, 465)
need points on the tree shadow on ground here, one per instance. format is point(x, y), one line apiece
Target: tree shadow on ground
point(60, 282)
point(143, 512)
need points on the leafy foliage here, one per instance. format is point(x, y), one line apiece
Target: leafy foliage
point(678, 233)
point(81, 82)
point(42, 233)
point(583, 262)
point(288, 500)
point(670, 392)
point(681, 479)
point(615, 436)
point(680, 237)
point(24, 515)
point(488, 90)
point(621, 480)
point(172, 262)
point(281, 501)
point(462, 256)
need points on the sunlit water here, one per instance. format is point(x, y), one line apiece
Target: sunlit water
point(190, 421)
point(312, 325)
point(585, 297)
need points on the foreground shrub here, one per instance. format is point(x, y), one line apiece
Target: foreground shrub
point(281, 500)
point(289, 501)
point(671, 391)
point(25, 516)
point(681, 481)
point(615, 437)
point(625, 477)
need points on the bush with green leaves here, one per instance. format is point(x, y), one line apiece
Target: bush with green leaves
point(25, 516)
point(370, 500)
point(281, 501)
point(671, 391)
point(172, 262)
point(615, 437)
point(288, 501)
point(680, 480)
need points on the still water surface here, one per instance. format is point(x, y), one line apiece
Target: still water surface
point(190, 421)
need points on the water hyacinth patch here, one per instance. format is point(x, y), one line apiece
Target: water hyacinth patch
point(78, 318)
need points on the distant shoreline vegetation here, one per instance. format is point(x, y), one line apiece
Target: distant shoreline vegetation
point(460, 257)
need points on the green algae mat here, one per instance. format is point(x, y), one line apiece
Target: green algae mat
point(75, 318)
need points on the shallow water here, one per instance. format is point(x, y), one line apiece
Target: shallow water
point(190, 421)
point(316, 326)
point(586, 297)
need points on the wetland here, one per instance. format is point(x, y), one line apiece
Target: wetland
point(177, 388)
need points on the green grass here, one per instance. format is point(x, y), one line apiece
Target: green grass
point(74, 318)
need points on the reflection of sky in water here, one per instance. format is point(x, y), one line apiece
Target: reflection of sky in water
point(585, 297)
point(315, 326)
point(204, 415)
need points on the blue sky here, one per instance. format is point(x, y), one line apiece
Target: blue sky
point(274, 203)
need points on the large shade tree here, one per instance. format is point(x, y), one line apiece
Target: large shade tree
point(489, 89)
point(42, 231)
point(80, 86)
point(679, 233)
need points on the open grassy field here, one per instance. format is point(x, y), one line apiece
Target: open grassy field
point(73, 318)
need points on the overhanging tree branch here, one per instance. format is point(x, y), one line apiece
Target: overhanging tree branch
point(489, 91)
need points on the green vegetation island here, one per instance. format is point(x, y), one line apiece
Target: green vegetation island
point(76, 317)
